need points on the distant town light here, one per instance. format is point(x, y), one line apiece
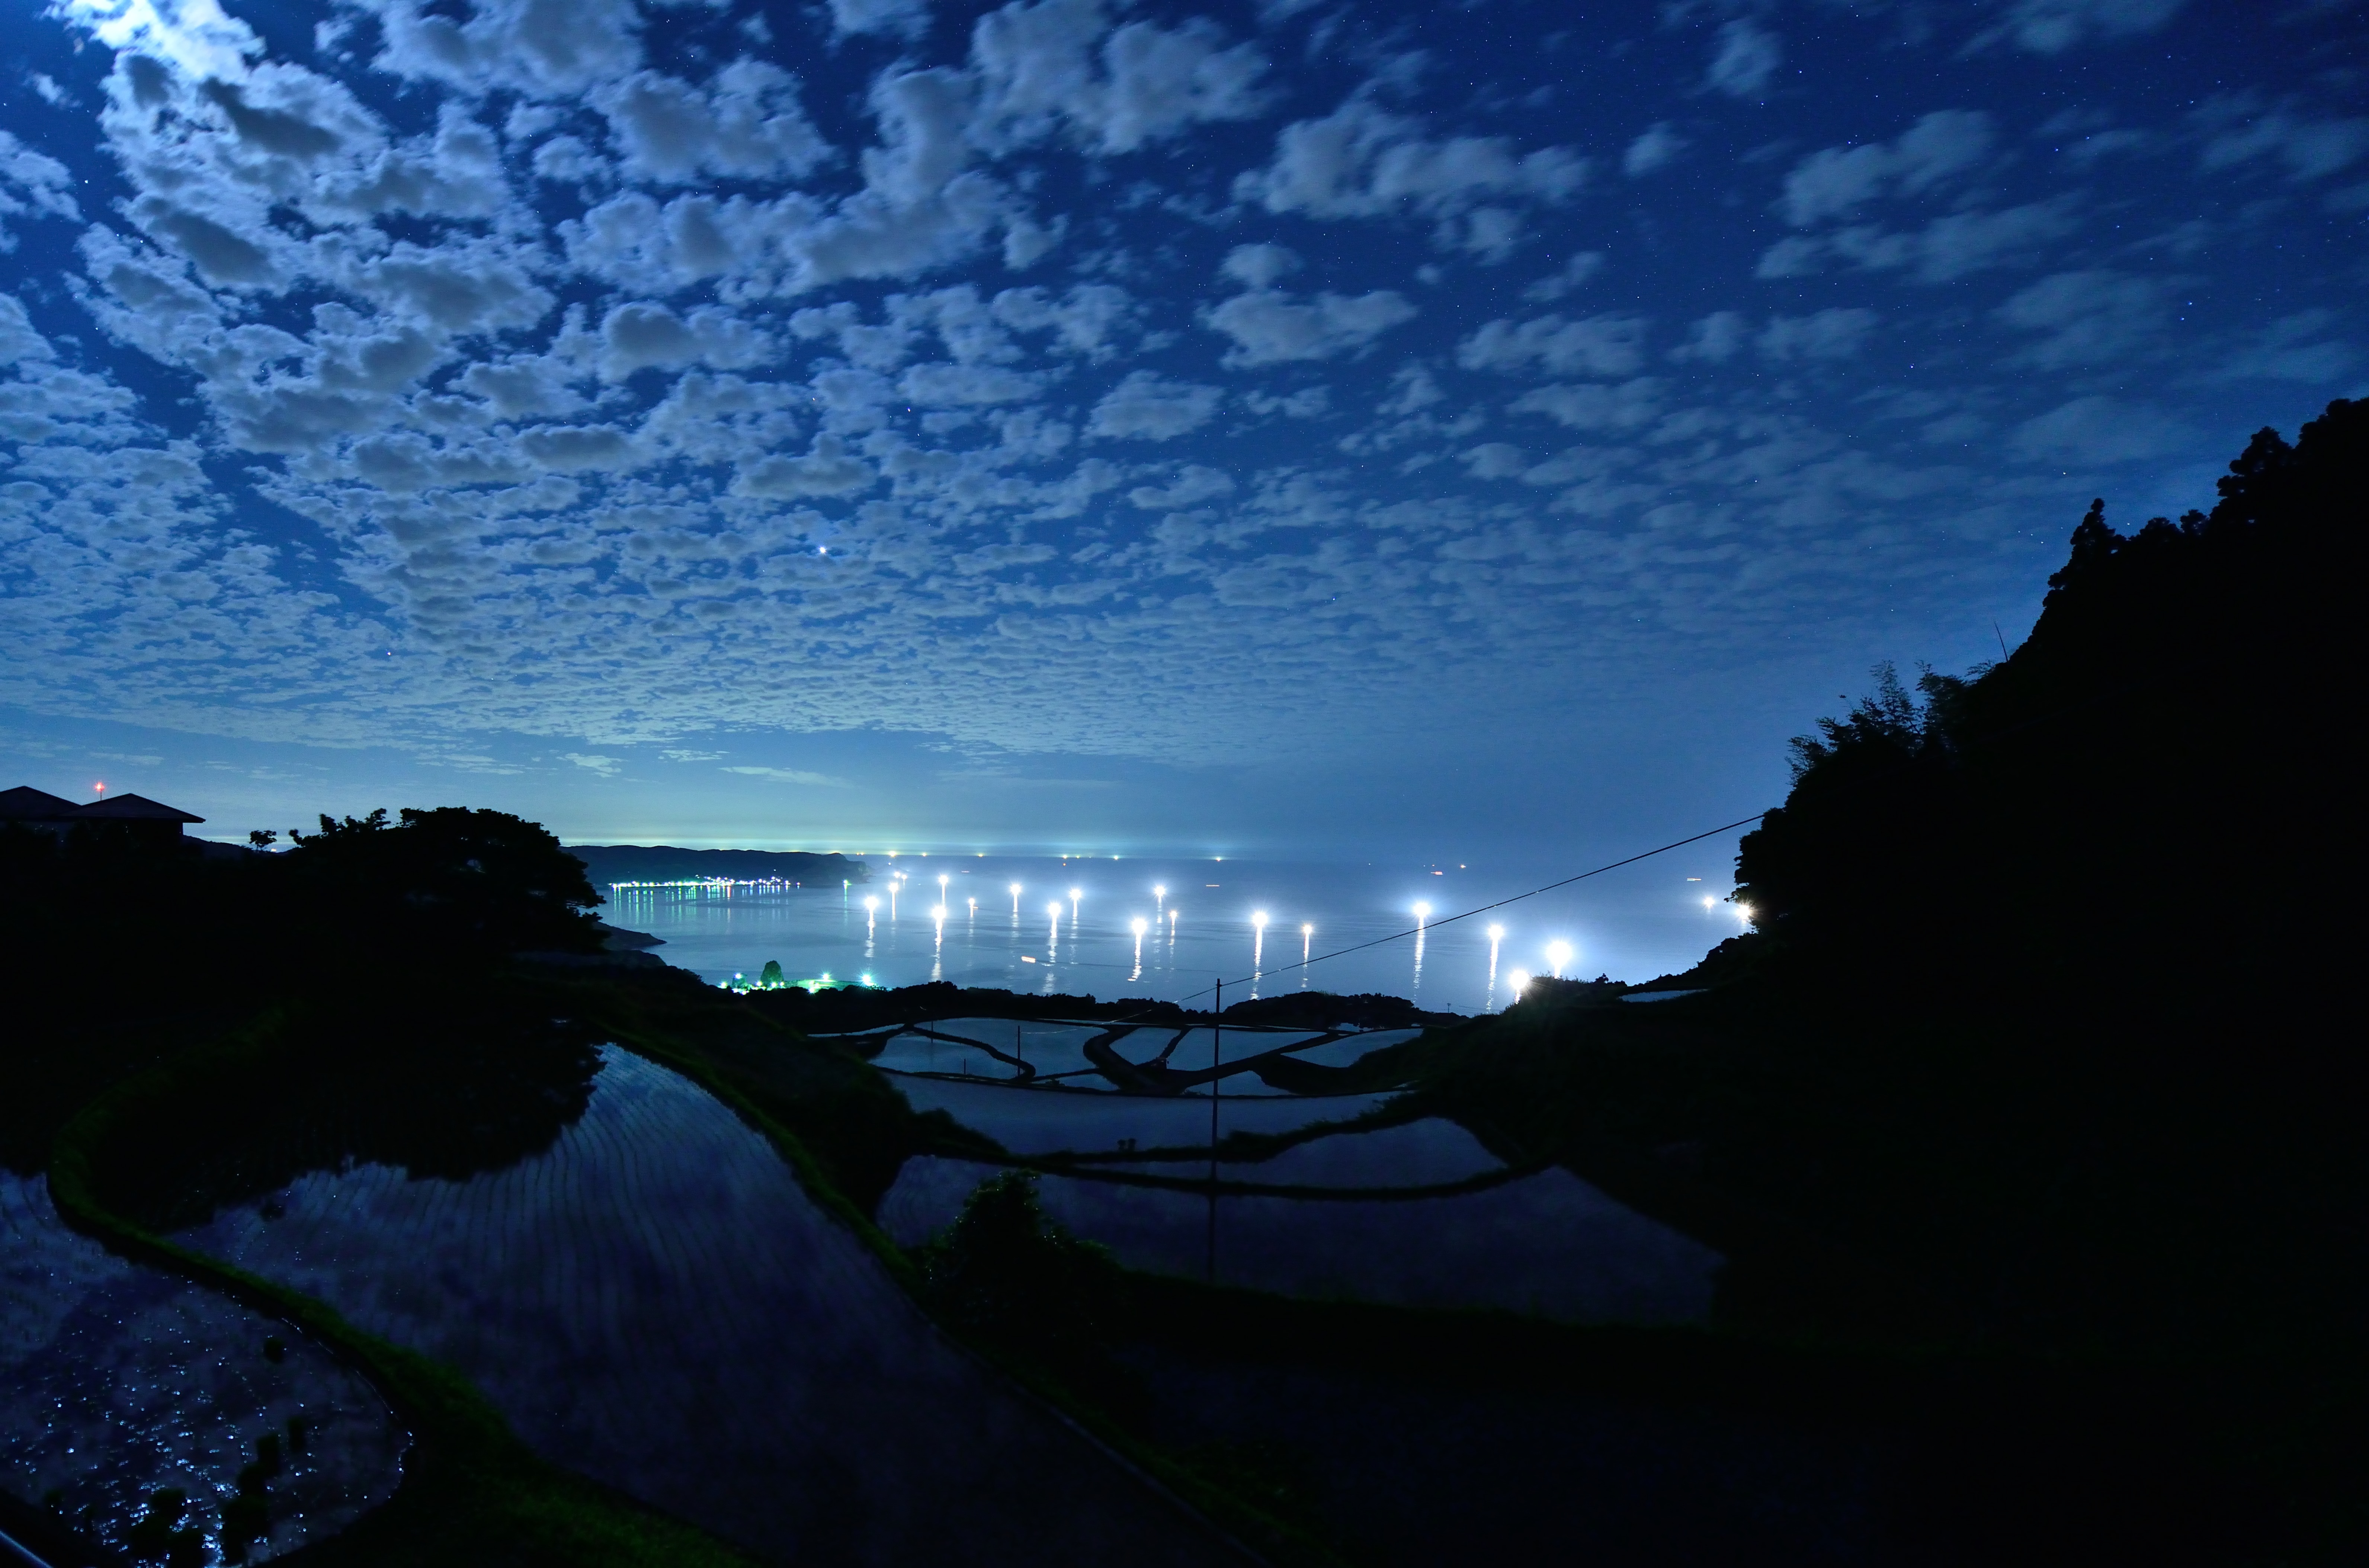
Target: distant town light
point(1258, 918)
point(1423, 911)
point(1139, 925)
point(1496, 933)
point(1560, 952)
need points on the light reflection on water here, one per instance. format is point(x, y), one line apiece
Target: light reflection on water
point(117, 1380)
point(1633, 924)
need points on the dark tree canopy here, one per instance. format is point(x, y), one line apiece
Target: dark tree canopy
point(483, 879)
point(2150, 789)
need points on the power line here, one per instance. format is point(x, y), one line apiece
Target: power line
point(1467, 914)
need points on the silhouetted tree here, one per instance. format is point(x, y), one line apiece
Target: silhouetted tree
point(2143, 794)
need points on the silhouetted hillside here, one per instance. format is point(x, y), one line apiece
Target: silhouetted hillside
point(2148, 795)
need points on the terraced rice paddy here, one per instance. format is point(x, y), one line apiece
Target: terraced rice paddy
point(116, 1381)
point(1362, 1213)
point(995, 1049)
point(655, 1303)
point(1433, 1151)
point(1045, 1121)
point(1546, 1244)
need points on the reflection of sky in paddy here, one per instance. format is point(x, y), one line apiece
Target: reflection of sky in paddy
point(1045, 1121)
point(1633, 924)
point(955, 1044)
point(1433, 1151)
point(1548, 1244)
point(117, 1379)
point(656, 1303)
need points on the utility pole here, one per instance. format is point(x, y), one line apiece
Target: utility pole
point(1216, 1046)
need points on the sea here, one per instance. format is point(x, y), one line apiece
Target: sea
point(1176, 929)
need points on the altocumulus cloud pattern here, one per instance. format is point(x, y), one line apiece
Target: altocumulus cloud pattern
point(1149, 380)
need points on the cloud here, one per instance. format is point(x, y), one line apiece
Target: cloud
point(2088, 318)
point(1259, 266)
point(2051, 27)
point(1838, 180)
point(194, 36)
point(607, 767)
point(2301, 346)
point(546, 352)
point(32, 182)
point(2311, 148)
point(1363, 162)
point(1716, 338)
point(1574, 273)
point(1040, 69)
point(1308, 403)
point(744, 124)
point(829, 469)
point(1943, 250)
point(1150, 408)
point(644, 334)
point(792, 775)
point(1606, 345)
point(1494, 460)
point(1834, 334)
point(1591, 406)
point(2092, 430)
point(1658, 147)
point(571, 447)
point(902, 18)
point(542, 48)
point(1271, 326)
point(1193, 484)
point(1743, 60)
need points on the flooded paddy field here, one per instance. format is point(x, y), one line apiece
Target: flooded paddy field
point(1546, 1243)
point(120, 1381)
point(1416, 1213)
point(654, 1301)
point(1076, 1120)
point(1010, 1050)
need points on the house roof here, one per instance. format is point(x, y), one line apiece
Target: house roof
point(26, 804)
point(131, 809)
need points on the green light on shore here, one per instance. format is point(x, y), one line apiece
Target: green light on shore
point(770, 977)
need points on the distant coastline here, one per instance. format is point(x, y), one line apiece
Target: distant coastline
point(606, 863)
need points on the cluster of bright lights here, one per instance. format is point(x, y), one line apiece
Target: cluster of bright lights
point(725, 882)
point(742, 983)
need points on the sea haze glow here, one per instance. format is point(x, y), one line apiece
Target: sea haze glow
point(1090, 426)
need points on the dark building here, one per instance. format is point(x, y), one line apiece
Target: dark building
point(35, 809)
point(134, 813)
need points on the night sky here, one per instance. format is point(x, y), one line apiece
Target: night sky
point(1280, 428)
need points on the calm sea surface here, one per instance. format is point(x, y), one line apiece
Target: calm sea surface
point(906, 926)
